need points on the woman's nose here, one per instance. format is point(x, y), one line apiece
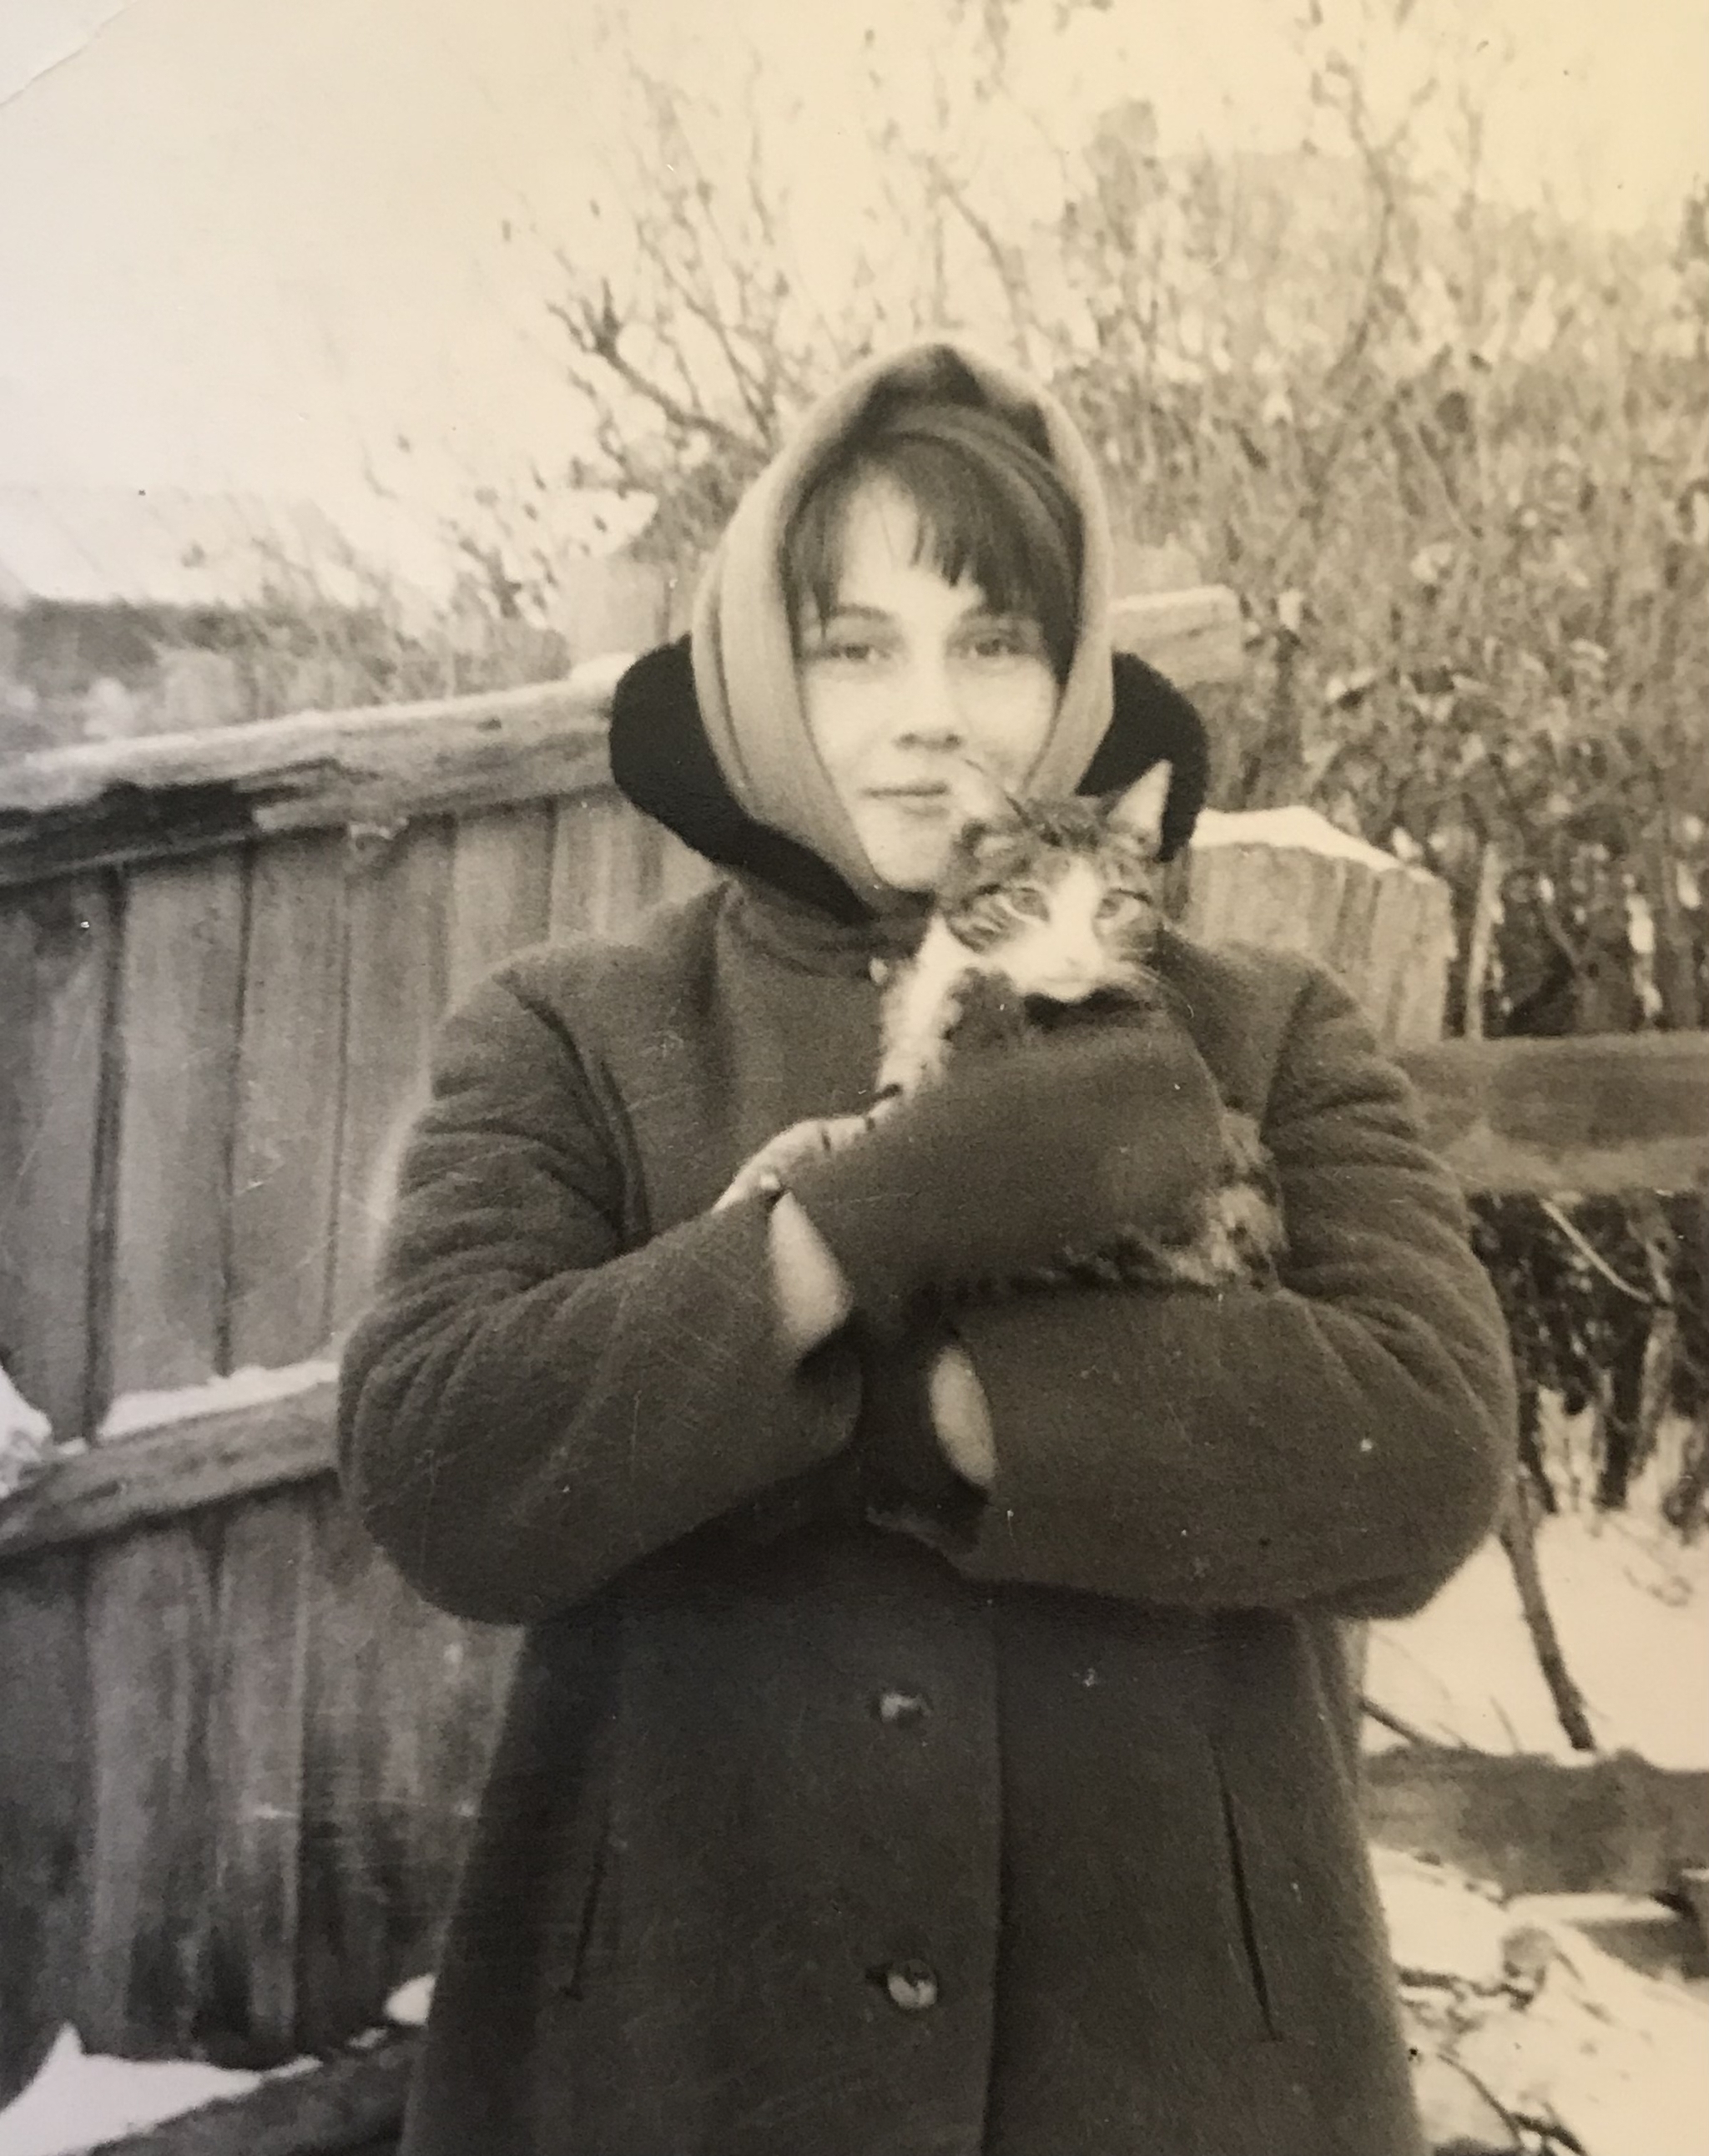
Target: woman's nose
point(934, 712)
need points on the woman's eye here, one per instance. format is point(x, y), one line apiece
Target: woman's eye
point(1005, 639)
point(847, 644)
point(845, 651)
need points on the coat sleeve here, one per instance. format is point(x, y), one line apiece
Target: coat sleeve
point(1342, 1441)
point(527, 1408)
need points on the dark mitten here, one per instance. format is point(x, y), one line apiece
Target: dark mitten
point(1016, 1156)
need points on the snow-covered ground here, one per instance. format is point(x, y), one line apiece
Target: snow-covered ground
point(77, 2101)
point(27, 1446)
point(1631, 1606)
point(1515, 2011)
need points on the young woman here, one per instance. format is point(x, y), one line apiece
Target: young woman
point(1026, 1823)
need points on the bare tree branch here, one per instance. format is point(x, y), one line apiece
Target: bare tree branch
point(1003, 258)
point(598, 332)
point(1518, 1539)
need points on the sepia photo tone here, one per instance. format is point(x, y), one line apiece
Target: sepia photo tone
point(854, 1078)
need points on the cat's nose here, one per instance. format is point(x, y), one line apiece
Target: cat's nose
point(1066, 987)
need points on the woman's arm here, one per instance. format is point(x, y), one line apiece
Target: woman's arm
point(526, 1408)
point(1344, 1440)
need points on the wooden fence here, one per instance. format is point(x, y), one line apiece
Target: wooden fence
point(238, 1755)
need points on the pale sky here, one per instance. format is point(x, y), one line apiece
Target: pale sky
point(245, 244)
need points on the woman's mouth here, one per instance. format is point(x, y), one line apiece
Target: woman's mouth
point(924, 795)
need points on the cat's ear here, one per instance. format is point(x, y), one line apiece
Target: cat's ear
point(1140, 809)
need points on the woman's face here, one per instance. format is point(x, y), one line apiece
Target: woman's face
point(919, 698)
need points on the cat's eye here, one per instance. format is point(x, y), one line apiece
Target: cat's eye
point(1122, 904)
point(1029, 900)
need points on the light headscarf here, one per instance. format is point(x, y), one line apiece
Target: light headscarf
point(744, 659)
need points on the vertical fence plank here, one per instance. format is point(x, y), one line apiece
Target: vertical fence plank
point(284, 1145)
point(149, 1847)
point(501, 878)
point(606, 865)
point(396, 982)
point(403, 1706)
point(43, 1774)
point(149, 1596)
point(361, 1845)
point(385, 1807)
point(284, 1162)
point(57, 952)
point(57, 945)
point(257, 1718)
point(285, 1167)
point(1418, 1003)
point(1348, 948)
point(682, 872)
point(179, 996)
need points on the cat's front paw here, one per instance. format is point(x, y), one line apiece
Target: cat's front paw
point(768, 1171)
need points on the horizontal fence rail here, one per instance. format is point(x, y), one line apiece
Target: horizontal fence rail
point(103, 805)
point(1598, 1113)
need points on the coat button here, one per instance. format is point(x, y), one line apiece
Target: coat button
point(894, 1706)
point(912, 1985)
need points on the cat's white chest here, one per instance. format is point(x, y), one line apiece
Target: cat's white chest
point(919, 1011)
point(1060, 956)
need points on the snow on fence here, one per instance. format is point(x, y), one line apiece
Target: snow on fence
point(239, 1755)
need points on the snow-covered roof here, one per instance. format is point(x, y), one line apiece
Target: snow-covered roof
point(162, 546)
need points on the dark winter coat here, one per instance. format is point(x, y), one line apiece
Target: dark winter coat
point(819, 1843)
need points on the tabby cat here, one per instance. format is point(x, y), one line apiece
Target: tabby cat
point(1048, 915)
